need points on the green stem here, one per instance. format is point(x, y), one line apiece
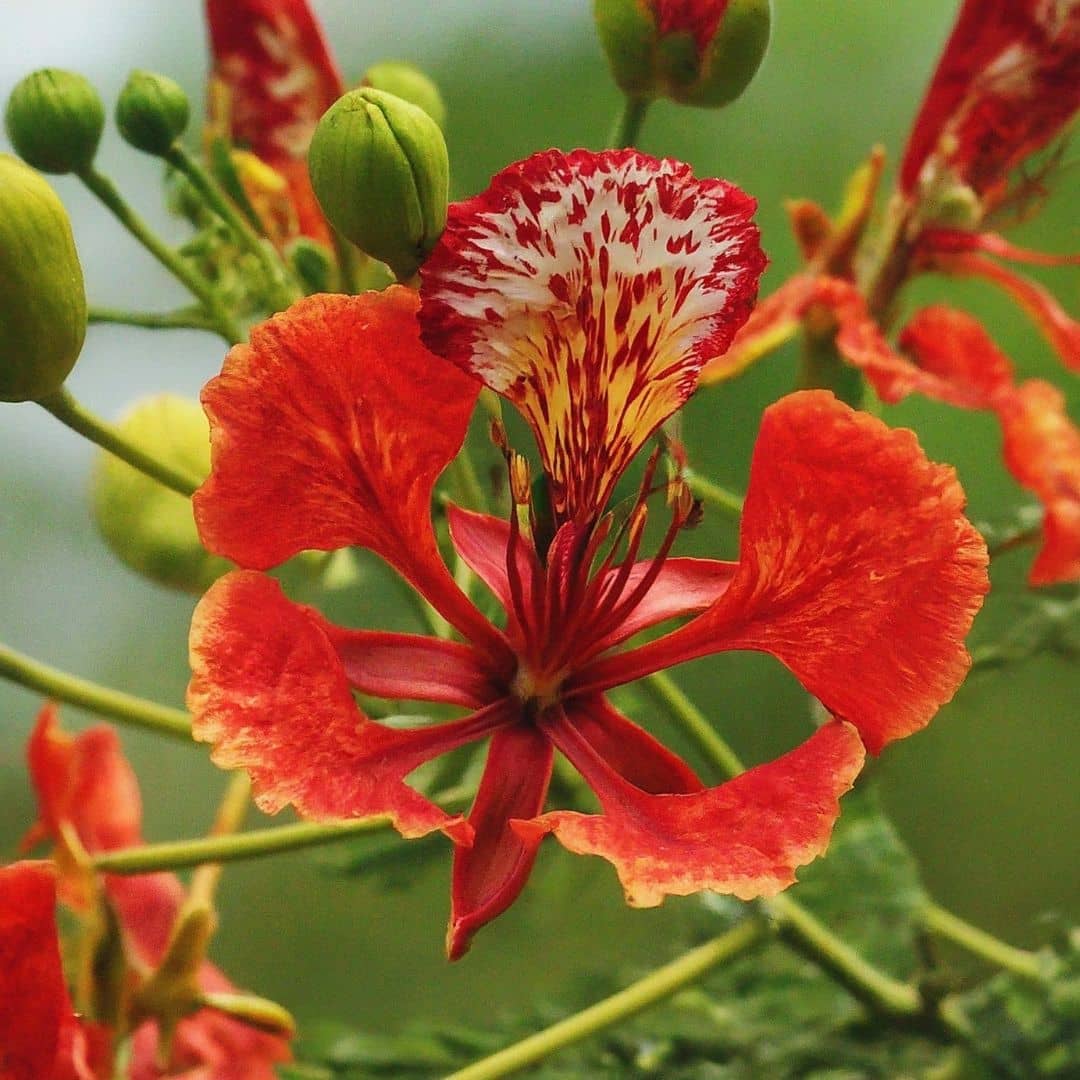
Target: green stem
point(99, 699)
point(349, 261)
point(196, 284)
point(468, 483)
point(69, 412)
point(151, 320)
point(654, 987)
point(814, 940)
point(628, 123)
point(179, 854)
point(947, 925)
point(665, 692)
point(285, 291)
point(714, 495)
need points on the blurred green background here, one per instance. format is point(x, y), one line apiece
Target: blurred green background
point(987, 796)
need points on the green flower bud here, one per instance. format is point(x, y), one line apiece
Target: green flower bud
point(42, 299)
point(380, 172)
point(152, 112)
point(148, 527)
point(410, 84)
point(700, 53)
point(54, 120)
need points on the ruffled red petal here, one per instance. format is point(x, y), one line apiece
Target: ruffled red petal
point(270, 692)
point(745, 837)
point(277, 79)
point(858, 571)
point(34, 1000)
point(590, 290)
point(630, 750)
point(1006, 84)
point(489, 875)
point(330, 429)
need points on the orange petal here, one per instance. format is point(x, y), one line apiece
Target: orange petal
point(590, 290)
point(330, 430)
point(270, 692)
point(857, 569)
point(745, 837)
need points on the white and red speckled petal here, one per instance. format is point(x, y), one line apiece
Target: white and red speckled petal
point(590, 290)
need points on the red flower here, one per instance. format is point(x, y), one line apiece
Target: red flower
point(41, 1038)
point(589, 290)
point(89, 803)
point(1006, 84)
point(273, 78)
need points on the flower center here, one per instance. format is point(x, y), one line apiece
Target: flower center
point(536, 690)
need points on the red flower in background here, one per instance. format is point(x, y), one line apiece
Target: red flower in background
point(41, 1038)
point(589, 290)
point(1006, 85)
point(273, 77)
point(89, 804)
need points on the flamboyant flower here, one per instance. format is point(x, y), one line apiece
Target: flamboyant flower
point(273, 77)
point(589, 290)
point(89, 804)
point(41, 1037)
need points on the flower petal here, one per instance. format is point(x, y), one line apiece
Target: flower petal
point(34, 1000)
point(274, 78)
point(858, 571)
point(489, 875)
point(590, 290)
point(772, 322)
point(745, 837)
point(83, 781)
point(1006, 84)
point(410, 667)
point(329, 430)
point(1057, 326)
point(269, 691)
point(630, 750)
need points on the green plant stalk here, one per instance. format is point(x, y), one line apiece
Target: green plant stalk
point(285, 290)
point(641, 995)
point(254, 844)
point(628, 123)
point(978, 942)
point(73, 415)
point(196, 284)
point(103, 700)
point(714, 495)
point(151, 320)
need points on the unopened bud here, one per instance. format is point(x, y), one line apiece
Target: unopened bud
point(42, 298)
point(380, 172)
point(313, 264)
point(702, 53)
point(410, 84)
point(147, 526)
point(152, 112)
point(54, 120)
